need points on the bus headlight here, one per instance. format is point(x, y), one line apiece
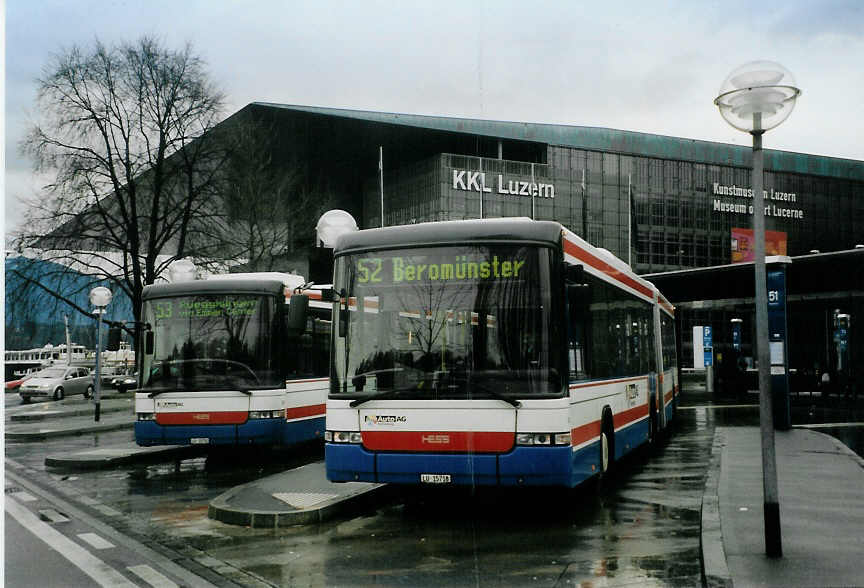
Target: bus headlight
point(343, 437)
point(266, 414)
point(146, 416)
point(543, 439)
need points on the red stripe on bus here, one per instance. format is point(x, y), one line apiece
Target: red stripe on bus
point(313, 295)
point(573, 249)
point(304, 411)
point(628, 416)
point(668, 307)
point(584, 433)
point(669, 395)
point(235, 417)
point(439, 441)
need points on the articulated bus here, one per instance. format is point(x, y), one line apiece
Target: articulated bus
point(492, 352)
point(222, 367)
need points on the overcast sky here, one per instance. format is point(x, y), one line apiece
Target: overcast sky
point(642, 66)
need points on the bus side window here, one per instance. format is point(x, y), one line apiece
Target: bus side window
point(578, 301)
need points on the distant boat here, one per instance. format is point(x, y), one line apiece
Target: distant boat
point(22, 362)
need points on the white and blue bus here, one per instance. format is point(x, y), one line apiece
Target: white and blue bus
point(491, 352)
point(222, 367)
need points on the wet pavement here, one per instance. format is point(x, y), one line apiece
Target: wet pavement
point(641, 527)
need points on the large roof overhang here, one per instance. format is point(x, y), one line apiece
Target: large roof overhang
point(600, 139)
point(818, 276)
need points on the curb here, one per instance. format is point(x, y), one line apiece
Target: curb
point(220, 510)
point(99, 460)
point(839, 445)
point(715, 570)
point(53, 414)
point(51, 433)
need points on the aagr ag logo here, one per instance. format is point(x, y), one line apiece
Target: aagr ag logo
point(385, 419)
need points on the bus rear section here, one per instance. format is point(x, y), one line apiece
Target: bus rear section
point(220, 366)
point(489, 353)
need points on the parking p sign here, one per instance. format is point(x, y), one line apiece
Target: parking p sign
point(703, 352)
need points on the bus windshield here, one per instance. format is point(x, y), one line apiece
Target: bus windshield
point(212, 341)
point(457, 322)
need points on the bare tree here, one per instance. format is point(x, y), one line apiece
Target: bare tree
point(270, 205)
point(124, 132)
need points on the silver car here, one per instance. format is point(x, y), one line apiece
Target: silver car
point(57, 382)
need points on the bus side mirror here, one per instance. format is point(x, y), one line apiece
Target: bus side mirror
point(574, 274)
point(298, 308)
point(148, 342)
point(343, 314)
point(114, 334)
point(578, 297)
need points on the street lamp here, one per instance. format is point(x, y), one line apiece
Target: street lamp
point(755, 98)
point(100, 297)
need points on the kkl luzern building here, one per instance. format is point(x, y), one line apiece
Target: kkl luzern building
point(661, 204)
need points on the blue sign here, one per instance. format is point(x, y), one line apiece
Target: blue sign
point(706, 344)
point(776, 284)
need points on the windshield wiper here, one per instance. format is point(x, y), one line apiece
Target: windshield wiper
point(160, 391)
point(396, 391)
point(377, 396)
point(497, 395)
point(471, 384)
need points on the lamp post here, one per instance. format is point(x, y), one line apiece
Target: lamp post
point(755, 98)
point(100, 297)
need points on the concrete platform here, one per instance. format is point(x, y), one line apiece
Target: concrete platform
point(51, 411)
point(69, 425)
point(296, 497)
point(820, 484)
point(109, 457)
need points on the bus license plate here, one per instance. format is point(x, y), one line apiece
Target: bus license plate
point(199, 440)
point(435, 478)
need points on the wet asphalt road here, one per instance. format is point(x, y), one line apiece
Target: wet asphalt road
point(639, 528)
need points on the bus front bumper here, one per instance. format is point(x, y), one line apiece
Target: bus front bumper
point(252, 432)
point(522, 466)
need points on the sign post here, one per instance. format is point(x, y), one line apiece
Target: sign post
point(703, 354)
point(776, 283)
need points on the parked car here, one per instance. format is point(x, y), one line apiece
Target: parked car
point(125, 383)
point(107, 374)
point(57, 382)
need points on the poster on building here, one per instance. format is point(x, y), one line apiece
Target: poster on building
point(743, 244)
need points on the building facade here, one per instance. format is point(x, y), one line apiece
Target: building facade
point(659, 203)
point(662, 204)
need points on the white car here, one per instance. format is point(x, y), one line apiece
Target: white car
point(57, 382)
